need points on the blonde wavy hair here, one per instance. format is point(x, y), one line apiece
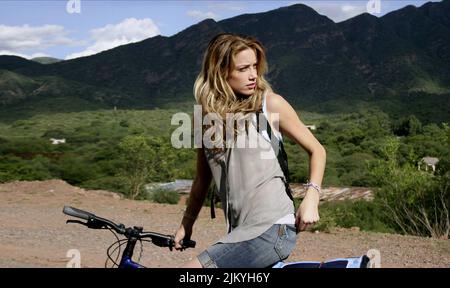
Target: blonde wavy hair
point(211, 88)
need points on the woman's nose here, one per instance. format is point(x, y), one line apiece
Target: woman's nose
point(253, 73)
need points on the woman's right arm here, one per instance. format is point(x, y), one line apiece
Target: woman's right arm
point(197, 196)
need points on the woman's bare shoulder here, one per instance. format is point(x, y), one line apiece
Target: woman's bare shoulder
point(275, 102)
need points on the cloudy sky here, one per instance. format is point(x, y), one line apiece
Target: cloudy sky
point(68, 29)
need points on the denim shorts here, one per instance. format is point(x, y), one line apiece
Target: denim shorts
point(272, 246)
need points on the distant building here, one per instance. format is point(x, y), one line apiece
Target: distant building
point(57, 141)
point(428, 162)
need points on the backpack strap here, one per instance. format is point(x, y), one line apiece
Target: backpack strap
point(281, 153)
point(223, 183)
point(213, 212)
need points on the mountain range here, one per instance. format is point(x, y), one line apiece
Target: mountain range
point(399, 62)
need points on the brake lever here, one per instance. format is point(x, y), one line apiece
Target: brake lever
point(76, 221)
point(91, 223)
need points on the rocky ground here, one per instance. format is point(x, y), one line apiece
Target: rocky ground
point(34, 233)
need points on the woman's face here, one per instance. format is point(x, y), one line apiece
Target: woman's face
point(243, 77)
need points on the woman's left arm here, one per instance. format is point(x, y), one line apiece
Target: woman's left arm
point(291, 126)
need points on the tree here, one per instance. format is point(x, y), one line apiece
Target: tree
point(407, 126)
point(417, 202)
point(138, 157)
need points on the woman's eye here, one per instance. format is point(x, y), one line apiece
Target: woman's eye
point(245, 68)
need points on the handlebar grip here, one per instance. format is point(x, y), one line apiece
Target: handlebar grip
point(77, 213)
point(187, 243)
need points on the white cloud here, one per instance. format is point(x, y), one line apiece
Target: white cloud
point(112, 35)
point(201, 15)
point(18, 39)
point(353, 10)
point(26, 56)
point(340, 13)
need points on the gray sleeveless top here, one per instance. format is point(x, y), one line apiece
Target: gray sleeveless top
point(250, 185)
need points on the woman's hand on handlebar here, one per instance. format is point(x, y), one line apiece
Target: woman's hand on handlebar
point(184, 232)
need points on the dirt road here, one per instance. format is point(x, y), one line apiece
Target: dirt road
point(34, 233)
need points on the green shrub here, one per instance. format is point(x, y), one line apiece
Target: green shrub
point(55, 133)
point(75, 170)
point(367, 215)
point(164, 196)
point(417, 201)
point(112, 183)
point(15, 168)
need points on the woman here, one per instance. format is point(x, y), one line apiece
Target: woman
point(262, 226)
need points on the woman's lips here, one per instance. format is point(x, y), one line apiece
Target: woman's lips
point(251, 85)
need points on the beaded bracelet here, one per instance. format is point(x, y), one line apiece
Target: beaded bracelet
point(313, 185)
